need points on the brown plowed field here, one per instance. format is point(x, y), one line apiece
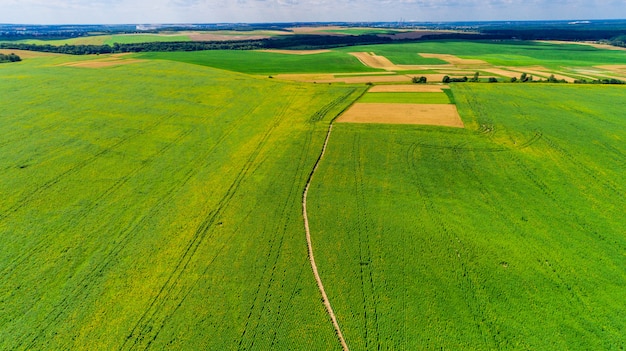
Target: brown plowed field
point(501, 72)
point(429, 114)
point(454, 60)
point(541, 72)
point(372, 60)
point(595, 45)
point(27, 54)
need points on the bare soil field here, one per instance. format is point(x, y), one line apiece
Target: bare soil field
point(427, 114)
point(615, 71)
point(27, 54)
point(501, 72)
point(454, 60)
point(375, 78)
point(330, 78)
point(595, 45)
point(542, 72)
point(415, 88)
point(372, 60)
point(381, 62)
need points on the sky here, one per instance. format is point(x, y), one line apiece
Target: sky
point(254, 11)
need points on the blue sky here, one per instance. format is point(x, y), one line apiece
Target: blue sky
point(211, 11)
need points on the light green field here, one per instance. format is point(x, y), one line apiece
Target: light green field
point(256, 62)
point(570, 59)
point(157, 205)
point(406, 98)
point(511, 53)
point(506, 235)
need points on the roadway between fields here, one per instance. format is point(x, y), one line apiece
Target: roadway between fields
point(329, 308)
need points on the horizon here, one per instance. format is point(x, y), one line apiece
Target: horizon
point(573, 21)
point(119, 12)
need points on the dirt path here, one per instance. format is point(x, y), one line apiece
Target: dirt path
point(329, 308)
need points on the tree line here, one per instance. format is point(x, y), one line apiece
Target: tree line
point(524, 78)
point(139, 47)
point(9, 58)
point(285, 42)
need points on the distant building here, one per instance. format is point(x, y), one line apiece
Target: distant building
point(147, 27)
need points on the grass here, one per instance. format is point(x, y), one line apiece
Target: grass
point(256, 62)
point(406, 98)
point(157, 205)
point(506, 235)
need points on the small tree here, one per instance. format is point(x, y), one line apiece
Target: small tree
point(514, 79)
point(492, 80)
point(446, 79)
point(475, 77)
point(524, 77)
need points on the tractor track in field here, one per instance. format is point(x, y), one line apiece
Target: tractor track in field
point(320, 285)
point(79, 166)
point(368, 288)
point(59, 308)
point(151, 323)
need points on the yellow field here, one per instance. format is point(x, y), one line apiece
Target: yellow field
point(428, 114)
point(408, 88)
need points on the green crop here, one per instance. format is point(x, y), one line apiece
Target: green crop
point(510, 53)
point(158, 205)
point(256, 62)
point(507, 235)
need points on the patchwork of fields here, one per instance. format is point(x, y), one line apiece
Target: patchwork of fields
point(509, 234)
point(395, 104)
point(154, 201)
point(399, 63)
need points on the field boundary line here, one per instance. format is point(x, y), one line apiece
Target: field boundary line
point(320, 285)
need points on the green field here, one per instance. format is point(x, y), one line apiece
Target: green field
point(256, 62)
point(157, 205)
point(406, 98)
point(508, 234)
point(511, 53)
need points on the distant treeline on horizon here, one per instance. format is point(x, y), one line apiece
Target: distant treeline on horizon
point(611, 32)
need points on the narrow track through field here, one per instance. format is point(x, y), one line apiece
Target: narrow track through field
point(329, 308)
